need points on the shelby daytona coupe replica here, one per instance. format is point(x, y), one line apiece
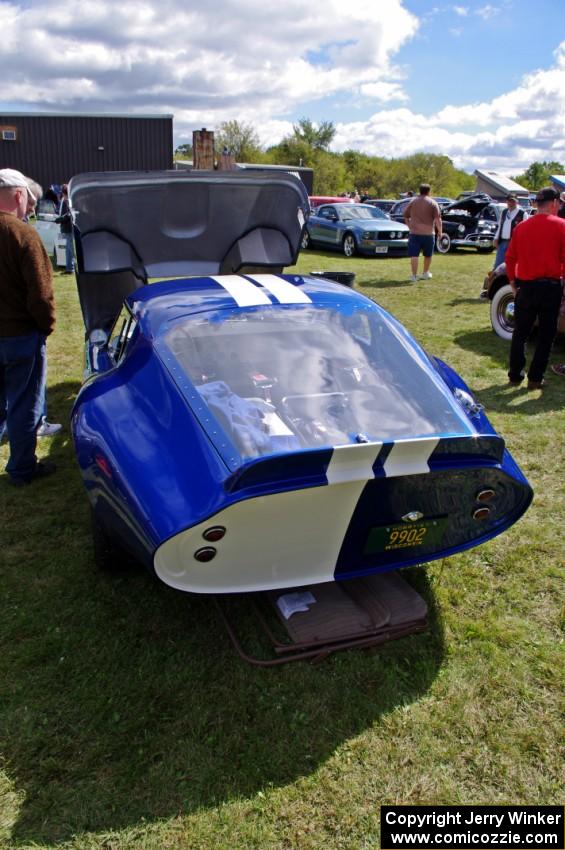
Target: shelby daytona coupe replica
point(240, 429)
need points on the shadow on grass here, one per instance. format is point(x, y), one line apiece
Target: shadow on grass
point(520, 400)
point(504, 398)
point(458, 301)
point(124, 701)
point(385, 284)
point(485, 342)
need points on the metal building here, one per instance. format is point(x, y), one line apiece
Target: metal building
point(52, 147)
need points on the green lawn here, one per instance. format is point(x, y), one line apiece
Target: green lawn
point(127, 721)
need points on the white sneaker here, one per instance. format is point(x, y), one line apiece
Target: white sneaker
point(426, 276)
point(48, 429)
point(414, 278)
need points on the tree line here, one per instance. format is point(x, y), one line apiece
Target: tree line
point(335, 173)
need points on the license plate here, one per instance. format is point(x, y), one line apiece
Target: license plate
point(405, 535)
point(381, 249)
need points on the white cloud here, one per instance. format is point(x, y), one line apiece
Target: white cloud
point(263, 64)
point(237, 55)
point(488, 11)
point(507, 133)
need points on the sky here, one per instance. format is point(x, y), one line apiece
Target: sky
point(481, 81)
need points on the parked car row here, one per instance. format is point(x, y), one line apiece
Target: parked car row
point(469, 222)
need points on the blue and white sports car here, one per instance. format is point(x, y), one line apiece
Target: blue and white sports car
point(240, 429)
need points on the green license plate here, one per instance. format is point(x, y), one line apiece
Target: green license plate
point(405, 535)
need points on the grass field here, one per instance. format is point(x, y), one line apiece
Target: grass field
point(128, 723)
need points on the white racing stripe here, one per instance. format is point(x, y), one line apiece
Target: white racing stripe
point(284, 291)
point(410, 457)
point(241, 290)
point(353, 463)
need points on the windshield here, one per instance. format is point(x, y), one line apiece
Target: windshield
point(307, 377)
point(358, 211)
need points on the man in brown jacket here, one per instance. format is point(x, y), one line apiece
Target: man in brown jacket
point(27, 317)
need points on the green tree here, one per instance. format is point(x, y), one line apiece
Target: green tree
point(538, 174)
point(330, 173)
point(316, 136)
point(239, 139)
point(291, 151)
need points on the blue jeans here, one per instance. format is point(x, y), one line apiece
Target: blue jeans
point(22, 390)
point(501, 252)
point(69, 254)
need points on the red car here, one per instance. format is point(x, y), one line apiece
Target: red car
point(317, 200)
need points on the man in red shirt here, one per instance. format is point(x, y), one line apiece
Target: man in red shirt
point(535, 265)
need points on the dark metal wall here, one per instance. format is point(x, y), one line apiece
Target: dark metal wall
point(52, 148)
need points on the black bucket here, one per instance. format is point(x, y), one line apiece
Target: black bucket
point(345, 278)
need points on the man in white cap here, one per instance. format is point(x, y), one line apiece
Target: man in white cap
point(27, 317)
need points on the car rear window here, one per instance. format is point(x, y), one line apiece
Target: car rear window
point(291, 378)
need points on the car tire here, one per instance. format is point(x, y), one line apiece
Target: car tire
point(305, 242)
point(502, 312)
point(348, 245)
point(443, 244)
point(107, 555)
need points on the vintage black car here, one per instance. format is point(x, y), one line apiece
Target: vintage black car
point(398, 209)
point(470, 222)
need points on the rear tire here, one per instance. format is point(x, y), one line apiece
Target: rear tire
point(502, 312)
point(305, 242)
point(107, 555)
point(348, 245)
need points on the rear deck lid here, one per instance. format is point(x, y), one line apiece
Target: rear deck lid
point(132, 226)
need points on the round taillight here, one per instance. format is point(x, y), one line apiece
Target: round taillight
point(485, 495)
point(213, 534)
point(481, 513)
point(205, 554)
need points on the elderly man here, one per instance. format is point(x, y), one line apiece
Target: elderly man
point(27, 317)
point(510, 217)
point(535, 264)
